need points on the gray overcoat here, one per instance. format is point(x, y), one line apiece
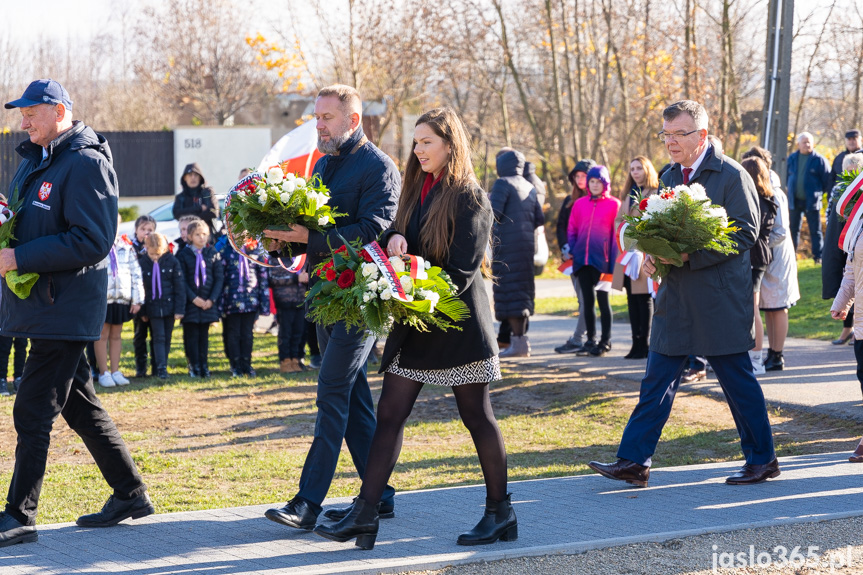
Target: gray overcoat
point(706, 307)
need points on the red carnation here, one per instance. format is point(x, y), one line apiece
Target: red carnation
point(328, 265)
point(331, 275)
point(342, 249)
point(346, 280)
point(366, 256)
point(643, 205)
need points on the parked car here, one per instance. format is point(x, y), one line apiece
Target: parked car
point(165, 222)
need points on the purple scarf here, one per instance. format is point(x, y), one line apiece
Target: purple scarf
point(113, 256)
point(244, 270)
point(200, 269)
point(157, 281)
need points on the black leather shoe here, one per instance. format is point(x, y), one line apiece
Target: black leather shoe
point(386, 510)
point(750, 474)
point(774, 362)
point(498, 522)
point(116, 510)
point(601, 348)
point(623, 470)
point(296, 513)
point(13, 531)
point(361, 522)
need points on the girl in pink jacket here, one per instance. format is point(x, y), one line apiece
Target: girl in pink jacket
point(593, 249)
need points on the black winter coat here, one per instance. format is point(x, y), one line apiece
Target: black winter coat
point(64, 231)
point(190, 200)
point(833, 257)
point(561, 230)
point(364, 184)
point(762, 254)
point(209, 290)
point(173, 294)
point(517, 214)
point(437, 349)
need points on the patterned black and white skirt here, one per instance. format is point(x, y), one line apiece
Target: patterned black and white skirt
point(483, 371)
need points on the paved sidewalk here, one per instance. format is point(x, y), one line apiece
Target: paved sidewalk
point(818, 376)
point(562, 515)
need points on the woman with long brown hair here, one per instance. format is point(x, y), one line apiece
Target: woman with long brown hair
point(761, 255)
point(641, 181)
point(445, 217)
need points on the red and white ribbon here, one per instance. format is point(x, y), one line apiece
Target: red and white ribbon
point(379, 257)
point(853, 225)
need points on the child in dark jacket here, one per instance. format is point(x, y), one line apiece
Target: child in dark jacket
point(289, 291)
point(164, 297)
point(202, 266)
point(144, 226)
point(245, 295)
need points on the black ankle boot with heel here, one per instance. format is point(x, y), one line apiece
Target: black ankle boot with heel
point(498, 522)
point(361, 523)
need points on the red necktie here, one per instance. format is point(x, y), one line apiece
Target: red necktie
point(686, 173)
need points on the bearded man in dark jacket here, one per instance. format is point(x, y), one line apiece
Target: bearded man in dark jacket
point(364, 185)
point(65, 229)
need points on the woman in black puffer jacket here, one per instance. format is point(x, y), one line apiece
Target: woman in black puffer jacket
point(517, 214)
point(761, 254)
point(196, 198)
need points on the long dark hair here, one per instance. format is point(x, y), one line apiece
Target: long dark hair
point(458, 179)
point(760, 173)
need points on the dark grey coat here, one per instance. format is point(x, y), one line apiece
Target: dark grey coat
point(517, 214)
point(705, 307)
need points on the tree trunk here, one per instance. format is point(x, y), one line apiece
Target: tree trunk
point(558, 107)
point(570, 90)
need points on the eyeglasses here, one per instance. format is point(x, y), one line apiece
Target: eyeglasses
point(667, 137)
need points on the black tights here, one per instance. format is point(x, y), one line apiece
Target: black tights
point(398, 396)
point(588, 277)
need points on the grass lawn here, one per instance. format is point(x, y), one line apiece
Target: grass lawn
point(228, 442)
point(810, 318)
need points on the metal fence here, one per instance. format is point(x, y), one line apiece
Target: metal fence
point(144, 161)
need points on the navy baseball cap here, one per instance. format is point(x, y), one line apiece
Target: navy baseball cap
point(42, 92)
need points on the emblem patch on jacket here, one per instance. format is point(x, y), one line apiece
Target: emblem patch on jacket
point(45, 191)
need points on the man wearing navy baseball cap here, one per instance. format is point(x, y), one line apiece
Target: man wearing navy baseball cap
point(65, 229)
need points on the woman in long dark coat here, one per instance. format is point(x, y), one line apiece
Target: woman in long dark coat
point(517, 214)
point(445, 217)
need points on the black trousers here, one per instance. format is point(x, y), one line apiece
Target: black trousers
point(56, 381)
point(162, 329)
point(311, 338)
point(292, 326)
point(858, 354)
point(7, 344)
point(139, 342)
point(239, 339)
point(640, 311)
point(588, 277)
point(197, 343)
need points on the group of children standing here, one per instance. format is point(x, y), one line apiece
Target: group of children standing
point(155, 283)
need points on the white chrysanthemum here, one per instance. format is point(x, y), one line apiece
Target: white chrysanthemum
point(262, 197)
point(432, 297)
point(289, 186)
point(372, 286)
point(697, 192)
point(386, 294)
point(407, 282)
point(369, 270)
point(383, 284)
point(427, 264)
point(300, 182)
point(366, 297)
point(285, 197)
point(275, 175)
point(323, 220)
point(323, 199)
point(397, 263)
point(290, 176)
point(657, 205)
point(717, 212)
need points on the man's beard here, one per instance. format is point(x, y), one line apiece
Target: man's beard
point(336, 141)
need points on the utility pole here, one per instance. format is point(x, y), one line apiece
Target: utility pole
point(777, 92)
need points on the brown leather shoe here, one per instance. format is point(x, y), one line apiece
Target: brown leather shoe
point(692, 375)
point(750, 474)
point(623, 470)
point(857, 456)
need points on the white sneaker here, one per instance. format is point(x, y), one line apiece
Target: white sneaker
point(758, 368)
point(105, 380)
point(119, 378)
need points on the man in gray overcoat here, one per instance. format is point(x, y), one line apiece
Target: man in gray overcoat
point(703, 308)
